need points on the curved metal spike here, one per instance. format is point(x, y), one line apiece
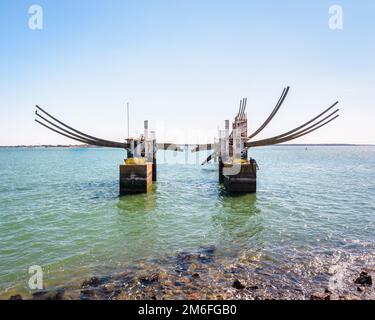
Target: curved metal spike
point(239, 110)
point(310, 127)
point(67, 126)
point(89, 141)
point(244, 108)
point(298, 128)
point(289, 138)
point(275, 110)
point(312, 130)
point(100, 144)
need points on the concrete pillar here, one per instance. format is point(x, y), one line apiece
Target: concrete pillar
point(135, 178)
point(221, 165)
point(243, 182)
point(154, 163)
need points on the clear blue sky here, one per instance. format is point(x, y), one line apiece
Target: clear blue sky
point(184, 65)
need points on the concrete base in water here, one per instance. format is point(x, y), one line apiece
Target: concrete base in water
point(154, 169)
point(135, 178)
point(245, 181)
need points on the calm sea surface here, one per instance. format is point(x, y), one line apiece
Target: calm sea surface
point(59, 209)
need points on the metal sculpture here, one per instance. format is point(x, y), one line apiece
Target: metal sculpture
point(231, 150)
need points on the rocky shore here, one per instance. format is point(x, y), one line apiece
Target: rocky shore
point(204, 275)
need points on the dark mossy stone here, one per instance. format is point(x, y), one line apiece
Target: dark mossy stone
point(208, 250)
point(364, 279)
point(318, 296)
point(147, 280)
point(238, 285)
point(252, 288)
point(54, 294)
point(92, 282)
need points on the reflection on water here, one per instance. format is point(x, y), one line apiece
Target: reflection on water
point(138, 204)
point(238, 220)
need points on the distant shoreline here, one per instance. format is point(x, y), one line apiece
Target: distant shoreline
point(277, 145)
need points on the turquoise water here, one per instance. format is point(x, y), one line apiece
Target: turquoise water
point(59, 208)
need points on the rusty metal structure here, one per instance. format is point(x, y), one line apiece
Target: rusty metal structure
point(237, 172)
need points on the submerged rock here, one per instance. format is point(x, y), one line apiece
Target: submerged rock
point(238, 285)
point(320, 296)
point(183, 262)
point(56, 294)
point(327, 291)
point(95, 282)
point(92, 282)
point(252, 288)
point(208, 250)
point(194, 296)
point(349, 297)
point(147, 280)
point(88, 294)
point(364, 279)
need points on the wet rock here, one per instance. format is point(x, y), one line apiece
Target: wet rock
point(206, 254)
point(327, 291)
point(110, 291)
point(348, 297)
point(364, 279)
point(40, 293)
point(115, 293)
point(320, 296)
point(88, 294)
point(238, 285)
point(16, 297)
point(183, 261)
point(92, 282)
point(184, 257)
point(205, 259)
point(147, 280)
point(125, 278)
point(57, 294)
point(252, 288)
point(194, 296)
point(162, 275)
point(208, 250)
point(167, 283)
point(178, 283)
point(195, 275)
point(184, 280)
